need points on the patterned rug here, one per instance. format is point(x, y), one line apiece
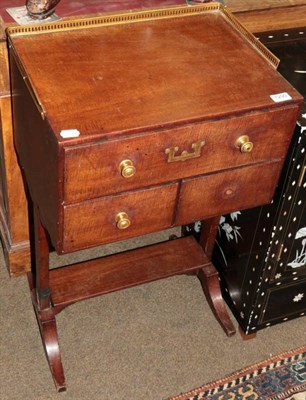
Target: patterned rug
point(280, 377)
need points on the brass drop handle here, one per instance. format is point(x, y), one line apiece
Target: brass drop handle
point(122, 220)
point(185, 155)
point(127, 168)
point(244, 144)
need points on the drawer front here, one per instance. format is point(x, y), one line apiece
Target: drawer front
point(226, 192)
point(97, 170)
point(283, 302)
point(99, 221)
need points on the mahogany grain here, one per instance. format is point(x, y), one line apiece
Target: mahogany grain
point(256, 16)
point(93, 170)
point(116, 272)
point(180, 76)
point(215, 194)
point(149, 210)
point(135, 91)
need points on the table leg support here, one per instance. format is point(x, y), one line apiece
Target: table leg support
point(49, 337)
point(39, 282)
point(48, 332)
point(209, 277)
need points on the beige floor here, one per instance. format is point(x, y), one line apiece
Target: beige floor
point(149, 342)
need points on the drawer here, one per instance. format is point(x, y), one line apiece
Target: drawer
point(226, 192)
point(284, 301)
point(97, 221)
point(96, 170)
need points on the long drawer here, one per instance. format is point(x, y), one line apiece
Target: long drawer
point(139, 160)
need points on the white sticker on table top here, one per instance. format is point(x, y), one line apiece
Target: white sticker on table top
point(69, 133)
point(280, 97)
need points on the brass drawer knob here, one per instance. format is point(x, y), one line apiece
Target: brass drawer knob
point(244, 144)
point(127, 168)
point(122, 220)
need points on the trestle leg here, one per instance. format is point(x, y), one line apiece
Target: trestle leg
point(41, 299)
point(209, 277)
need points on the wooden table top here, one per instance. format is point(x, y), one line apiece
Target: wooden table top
point(181, 74)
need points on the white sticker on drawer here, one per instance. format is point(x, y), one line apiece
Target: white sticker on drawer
point(280, 97)
point(69, 133)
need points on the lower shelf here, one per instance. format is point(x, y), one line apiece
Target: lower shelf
point(93, 278)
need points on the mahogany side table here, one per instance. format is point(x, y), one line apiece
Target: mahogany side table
point(257, 16)
point(131, 123)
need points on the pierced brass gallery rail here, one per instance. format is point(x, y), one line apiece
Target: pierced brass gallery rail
point(110, 19)
point(129, 17)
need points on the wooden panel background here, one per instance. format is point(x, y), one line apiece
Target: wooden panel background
point(247, 5)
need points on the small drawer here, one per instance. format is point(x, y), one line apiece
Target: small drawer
point(141, 160)
point(284, 301)
point(225, 192)
point(119, 217)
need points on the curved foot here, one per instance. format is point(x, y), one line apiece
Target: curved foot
point(50, 341)
point(209, 278)
point(48, 331)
